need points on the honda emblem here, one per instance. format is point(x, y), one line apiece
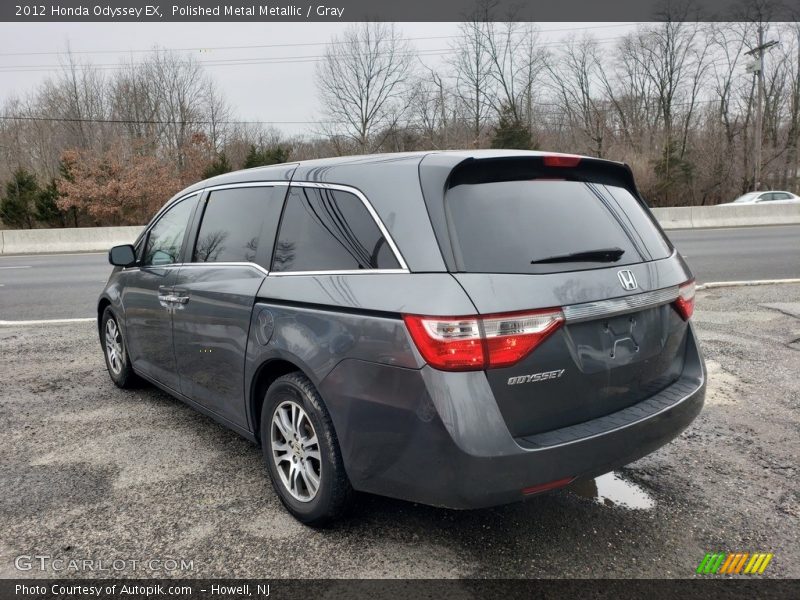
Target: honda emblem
point(627, 280)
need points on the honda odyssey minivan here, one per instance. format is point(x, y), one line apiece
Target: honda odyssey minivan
point(460, 329)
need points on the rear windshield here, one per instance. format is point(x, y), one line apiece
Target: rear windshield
point(533, 226)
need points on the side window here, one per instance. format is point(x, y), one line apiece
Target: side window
point(164, 241)
point(232, 225)
point(781, 196)
point(766, 197)
point(329, 230)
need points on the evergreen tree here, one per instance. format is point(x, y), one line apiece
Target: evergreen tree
point(267, 156)
point(17, 206)
point(673, 173)
point(47, 211)
point(219, 165)
point(510, 132)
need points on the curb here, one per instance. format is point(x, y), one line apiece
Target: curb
point(721, 284)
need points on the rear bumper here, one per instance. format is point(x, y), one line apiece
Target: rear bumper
point(438, 438)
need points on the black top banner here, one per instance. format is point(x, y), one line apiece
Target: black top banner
point(401, 10)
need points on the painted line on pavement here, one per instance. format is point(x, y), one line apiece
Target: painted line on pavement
point(51, 255)
point(20, 267)
point(720, 284)
point(45, 322)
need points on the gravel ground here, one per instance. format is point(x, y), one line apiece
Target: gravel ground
point(88, 471)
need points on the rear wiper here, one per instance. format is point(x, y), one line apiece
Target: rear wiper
point(599, 255)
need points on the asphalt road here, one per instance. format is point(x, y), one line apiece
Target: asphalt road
point(57, 286)
point(67, 285)
point(742, 253)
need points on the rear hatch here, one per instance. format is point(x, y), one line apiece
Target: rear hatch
point(572, 236)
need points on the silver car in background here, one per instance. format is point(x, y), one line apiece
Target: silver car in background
point(768, 197)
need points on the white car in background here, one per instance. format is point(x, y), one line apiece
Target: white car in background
point(768, 197)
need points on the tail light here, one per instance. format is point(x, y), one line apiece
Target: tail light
point(685, 302)
point(474, 343)
point(561, 160)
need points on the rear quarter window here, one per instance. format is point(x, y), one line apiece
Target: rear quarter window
point(329, 230)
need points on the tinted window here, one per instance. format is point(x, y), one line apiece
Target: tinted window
point(166, 236)
point(502, 226)
point(328, 230)
point(642, 226)
point(232, 225)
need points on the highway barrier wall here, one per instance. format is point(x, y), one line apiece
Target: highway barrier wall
point(74, 239)
point(696, 217)
point(99, 239)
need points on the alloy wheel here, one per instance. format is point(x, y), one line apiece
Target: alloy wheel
point(295, 450)
point(114, 347)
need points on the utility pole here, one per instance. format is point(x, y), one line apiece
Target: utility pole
point(759, 103)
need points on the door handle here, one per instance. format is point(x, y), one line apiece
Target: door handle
point(173, 299)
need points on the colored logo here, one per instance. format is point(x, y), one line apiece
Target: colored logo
point(734, 563)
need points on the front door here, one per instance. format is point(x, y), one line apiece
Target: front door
point(146, 296)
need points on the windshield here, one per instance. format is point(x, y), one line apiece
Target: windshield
point(545, 226)
point(746, 198)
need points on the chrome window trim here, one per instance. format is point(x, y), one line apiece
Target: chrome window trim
point(245, 184)
point(264, 271)
point(371, 210)
point(332, 186)
point(209, 265)
point(342, 272)
point(157, 217)
point(258, 267)
point(575, 313)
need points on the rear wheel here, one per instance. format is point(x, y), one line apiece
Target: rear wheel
point(116, 354)
point(302, 452)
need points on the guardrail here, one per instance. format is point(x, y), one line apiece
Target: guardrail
point(91, 239)
point(75, 239)
point(696, 217)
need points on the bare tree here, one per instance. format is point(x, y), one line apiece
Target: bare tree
point(516, 63)
point(362, 82)
point(471, 65)
point(218, 114)
point(433, 108)
point(180, 94)
point(574, 77)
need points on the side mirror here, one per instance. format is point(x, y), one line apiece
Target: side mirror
point(122, 256)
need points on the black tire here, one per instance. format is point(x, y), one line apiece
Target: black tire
point(122, 373)
point(334, 492)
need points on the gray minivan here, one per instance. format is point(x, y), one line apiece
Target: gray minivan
point(461, 329)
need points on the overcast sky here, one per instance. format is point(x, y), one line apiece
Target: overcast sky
point(262, 92)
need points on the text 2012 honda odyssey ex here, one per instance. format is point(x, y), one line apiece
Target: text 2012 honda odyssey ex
point(461, 329)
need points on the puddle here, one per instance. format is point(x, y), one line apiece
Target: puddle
point(612, 490)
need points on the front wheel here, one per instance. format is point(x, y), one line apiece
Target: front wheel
point(116, 354)
point(302, 452)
